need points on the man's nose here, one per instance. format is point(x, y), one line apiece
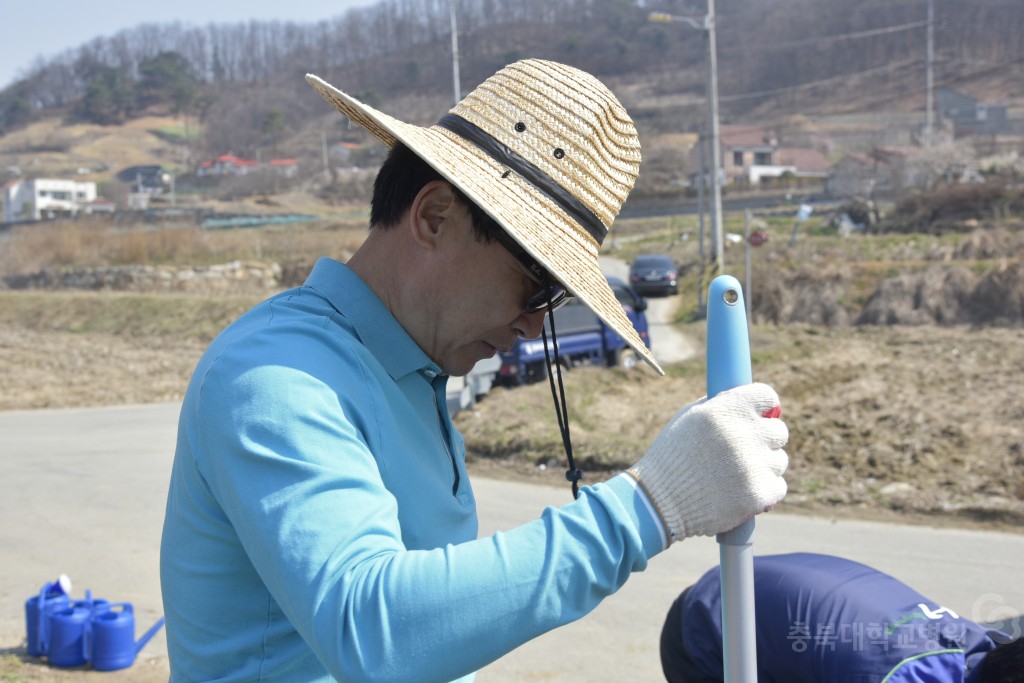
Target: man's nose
point(529, 325)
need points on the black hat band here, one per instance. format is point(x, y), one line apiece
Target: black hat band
point(525, 169)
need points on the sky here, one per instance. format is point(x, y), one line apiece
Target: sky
point(29, 31)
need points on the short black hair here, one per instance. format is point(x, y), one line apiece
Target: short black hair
point(402, 175)
point(1005, 664)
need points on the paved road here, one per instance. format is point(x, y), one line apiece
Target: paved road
point(773, 203)
point(668, 344)
point(82, 492)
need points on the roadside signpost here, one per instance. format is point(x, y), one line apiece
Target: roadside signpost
point(757, 238)
point(802, 214)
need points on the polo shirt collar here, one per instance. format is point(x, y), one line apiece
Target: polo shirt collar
point(377, 328)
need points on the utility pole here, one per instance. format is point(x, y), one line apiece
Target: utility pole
point(455, 52)
point(929, 120)
point(701, 309)
point(706, 24)
point(716, 148)
point(747, 295)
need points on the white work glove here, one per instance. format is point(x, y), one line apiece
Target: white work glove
point(717, 462)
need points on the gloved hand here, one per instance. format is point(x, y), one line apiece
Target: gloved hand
point(717, 462)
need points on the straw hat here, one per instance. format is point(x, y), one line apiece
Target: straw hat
point(548, 152)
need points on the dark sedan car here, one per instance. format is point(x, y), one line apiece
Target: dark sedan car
point(654, 275)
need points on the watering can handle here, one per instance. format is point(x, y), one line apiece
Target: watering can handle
point(126, 607)
point(42, 623)
point(87, 640)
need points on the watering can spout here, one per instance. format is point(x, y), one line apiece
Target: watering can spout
point(62, 585)
point(148, 635)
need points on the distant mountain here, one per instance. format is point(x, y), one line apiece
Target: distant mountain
point(791, 65)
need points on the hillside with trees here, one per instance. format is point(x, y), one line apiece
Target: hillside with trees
point(778, 59)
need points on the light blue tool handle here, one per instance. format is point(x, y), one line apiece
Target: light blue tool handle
point(728, 366)
point(728, 342)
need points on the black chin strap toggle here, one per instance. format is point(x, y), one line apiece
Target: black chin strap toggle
point(573, 474)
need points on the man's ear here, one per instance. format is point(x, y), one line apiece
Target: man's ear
point(432, 205)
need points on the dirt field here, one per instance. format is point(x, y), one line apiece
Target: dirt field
point(918, 424)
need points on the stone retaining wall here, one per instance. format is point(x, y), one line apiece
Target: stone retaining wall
point(235, 276)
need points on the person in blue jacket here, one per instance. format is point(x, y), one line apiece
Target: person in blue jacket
point(825, 618)
point(320, 521)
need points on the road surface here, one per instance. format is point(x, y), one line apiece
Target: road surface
point(668, 344)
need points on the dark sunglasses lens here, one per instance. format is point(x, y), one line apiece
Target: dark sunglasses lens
point(561, 300)
point(557, 295)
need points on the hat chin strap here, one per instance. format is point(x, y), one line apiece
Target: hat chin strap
point(573, 473)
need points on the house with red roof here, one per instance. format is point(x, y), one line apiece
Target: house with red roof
point(284, 167)
point(751, 155)
point(227, 164)
point(230, 165)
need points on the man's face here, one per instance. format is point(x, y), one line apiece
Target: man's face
point(484, 292)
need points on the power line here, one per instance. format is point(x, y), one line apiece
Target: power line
point(905, 94)
point(875, 103)
point(815, 84)
point(832, 38)
point(947, 81)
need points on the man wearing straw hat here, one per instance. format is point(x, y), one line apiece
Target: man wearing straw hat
point(320, 521)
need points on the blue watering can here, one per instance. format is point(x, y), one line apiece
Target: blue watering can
point(52, 597)
point(74, 633)
point(69, 629)
point(69, 642)
point(113, 637)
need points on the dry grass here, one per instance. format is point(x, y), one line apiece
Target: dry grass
point(90, 348)
point(911, 423)
point(49, 147)
point(98, 242)
point(174, 317)
point(868, 407)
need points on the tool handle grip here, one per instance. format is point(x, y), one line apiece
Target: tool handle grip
point(728, 343)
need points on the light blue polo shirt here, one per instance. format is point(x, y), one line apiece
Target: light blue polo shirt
point(321, 524)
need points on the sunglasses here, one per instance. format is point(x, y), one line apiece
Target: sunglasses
point(553, 295)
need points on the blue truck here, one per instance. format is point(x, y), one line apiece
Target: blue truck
point(583, 339)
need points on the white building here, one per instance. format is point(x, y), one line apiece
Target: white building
point(38, 198)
